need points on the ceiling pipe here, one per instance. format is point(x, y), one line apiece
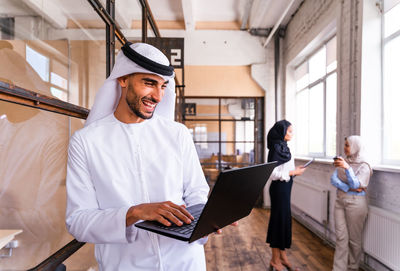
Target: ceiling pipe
point(261, 32)
point(278, 23)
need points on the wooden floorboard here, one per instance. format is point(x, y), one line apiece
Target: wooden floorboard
point(243, 248)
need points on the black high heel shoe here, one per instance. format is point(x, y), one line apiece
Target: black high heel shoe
point(272, 268)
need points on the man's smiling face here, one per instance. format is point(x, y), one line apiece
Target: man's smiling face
point(144, 92)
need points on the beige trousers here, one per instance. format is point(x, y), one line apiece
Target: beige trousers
point(350, 215)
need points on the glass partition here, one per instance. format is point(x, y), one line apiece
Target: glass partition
point(238, 109)
point(55, 49)
point(33, 155)
point(201, 108)
point(227, 132)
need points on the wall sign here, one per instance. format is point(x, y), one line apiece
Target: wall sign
point(189, 109)
point(172, 48)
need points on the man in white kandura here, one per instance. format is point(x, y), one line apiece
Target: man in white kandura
point(128, 164)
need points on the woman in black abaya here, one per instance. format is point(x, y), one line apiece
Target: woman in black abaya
point(280, 223)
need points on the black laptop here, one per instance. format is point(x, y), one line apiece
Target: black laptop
point(233, 197)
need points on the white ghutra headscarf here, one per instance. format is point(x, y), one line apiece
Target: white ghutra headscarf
point(108, 96)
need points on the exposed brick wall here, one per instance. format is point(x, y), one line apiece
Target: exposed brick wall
point(310, 18)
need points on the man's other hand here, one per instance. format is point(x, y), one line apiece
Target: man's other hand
point(219, 231)
point(163, 212)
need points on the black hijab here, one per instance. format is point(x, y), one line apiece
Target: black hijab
point(278, 148)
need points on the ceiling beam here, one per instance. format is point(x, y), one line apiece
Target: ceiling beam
point(258, 11)
point(50, 11)
point(277, 24)
point(202, 47)
point(187, 7)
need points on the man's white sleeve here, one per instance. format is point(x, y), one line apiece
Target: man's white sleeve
point(84, 218)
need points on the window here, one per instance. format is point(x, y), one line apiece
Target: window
point(315, 96)
point(227, 132)
point(200, 135)
point(39, 63)
point(59, 86)
point(391, 82)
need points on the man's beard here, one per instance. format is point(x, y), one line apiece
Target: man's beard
point(134, 105)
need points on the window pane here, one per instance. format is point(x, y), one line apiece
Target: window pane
point(197, 129)
point(331, 62)
point(301, 125)
point(201, 108)
point(301, 71)
point(315, 123)
point(316, 136)
point(39, 63)
point(391, 110)
point(59, 81)
point(392, 21)
point(301, 76)
point(317, 65)
point(62, 95)
point(228, 133)
point(210, 161)
point(244, 130)
point(239, 109)
point(331, 115)
point(243, 158)
point(302, 82)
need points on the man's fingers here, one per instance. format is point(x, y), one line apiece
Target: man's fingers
point(180, 212)
point(171, 217)
point(175, 213)
point(163, 221)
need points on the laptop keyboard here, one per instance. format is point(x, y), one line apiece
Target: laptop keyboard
point(185, 228)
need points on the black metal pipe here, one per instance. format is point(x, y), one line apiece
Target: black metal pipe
point(149, 17)
point(110, 38)
point(144, 23)
point(106, 17)
point(276, 72)
point(14, 94)
point(52, 262)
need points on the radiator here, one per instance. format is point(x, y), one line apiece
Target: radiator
point(311, 200)
point(382, 237)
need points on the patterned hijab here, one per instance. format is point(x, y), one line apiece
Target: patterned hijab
point(278, 148)
point(356, 158)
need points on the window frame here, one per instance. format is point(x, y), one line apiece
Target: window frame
point(50, 71)
point(219, 119)
point(320, 80)
point(384, 42)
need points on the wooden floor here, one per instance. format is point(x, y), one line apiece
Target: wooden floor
point(243, 248)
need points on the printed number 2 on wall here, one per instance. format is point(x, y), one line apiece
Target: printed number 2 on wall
point(175, 57)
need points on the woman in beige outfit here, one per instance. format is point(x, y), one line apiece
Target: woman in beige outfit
point(351, 179)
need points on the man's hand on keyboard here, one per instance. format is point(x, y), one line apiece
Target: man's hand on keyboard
point(163, 212)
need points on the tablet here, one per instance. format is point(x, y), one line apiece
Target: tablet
point(308, 163)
